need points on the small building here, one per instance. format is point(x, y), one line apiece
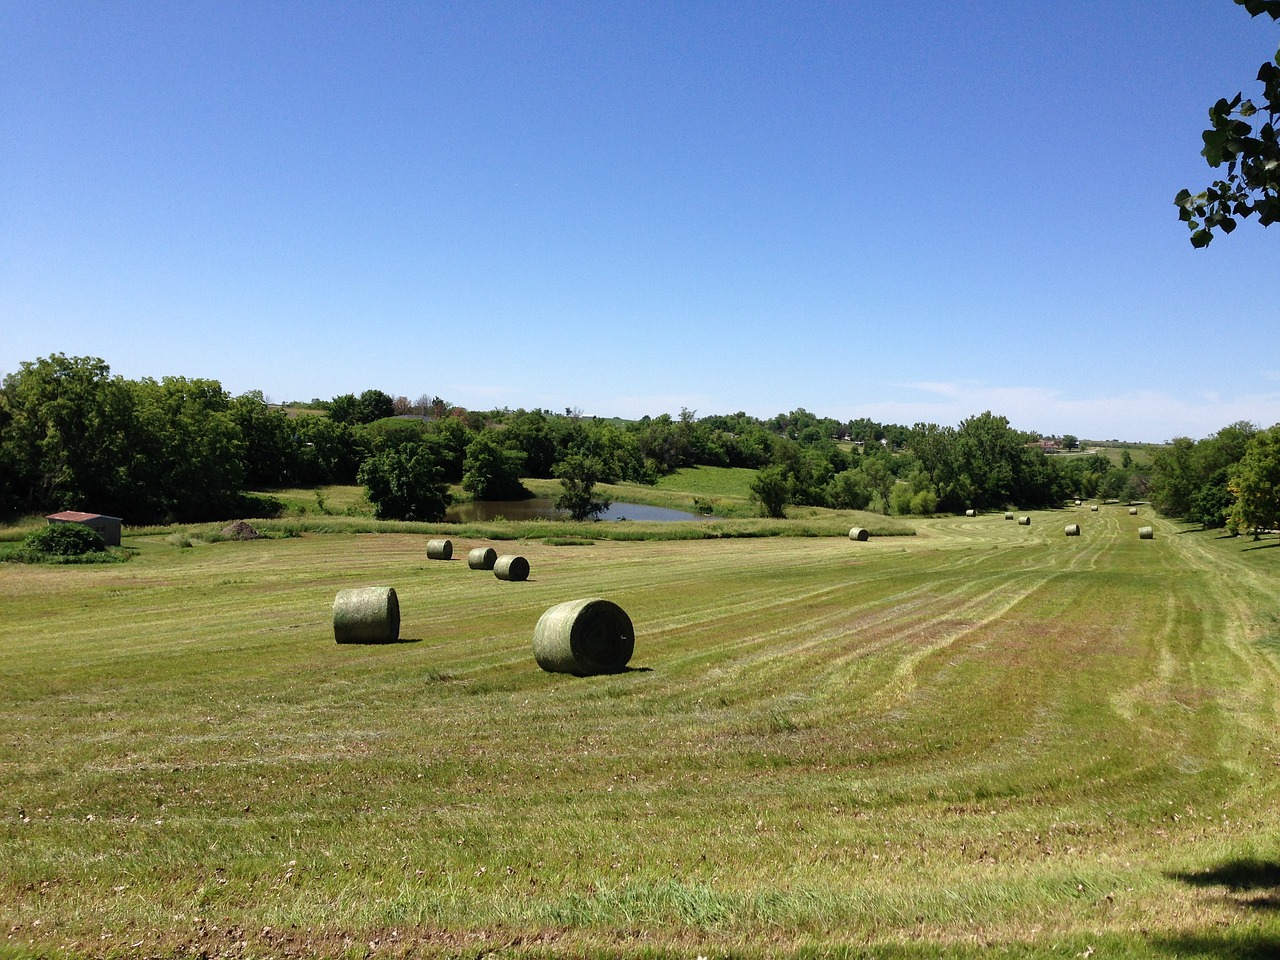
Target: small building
point(108, 528)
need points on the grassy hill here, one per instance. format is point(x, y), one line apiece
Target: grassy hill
point(986, 737)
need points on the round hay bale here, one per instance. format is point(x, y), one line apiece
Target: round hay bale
point(1133, 511)
point(1008, 516)
point(1073, 530)
point(584, 637)
point(366, 615)
point(482, 558)
point(1024, 521)
point(1093, 507)
point(1146, 533)
point(439, 549)
point(511, 568)
point(858, 533)
point(971, 513)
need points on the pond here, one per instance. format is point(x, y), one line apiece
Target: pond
point(539, 508)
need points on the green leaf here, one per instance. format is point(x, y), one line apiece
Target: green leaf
point(1201, 238)
point(1214, 140)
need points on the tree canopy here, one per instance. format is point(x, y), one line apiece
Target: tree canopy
point(72, 436)
point(1251, 156)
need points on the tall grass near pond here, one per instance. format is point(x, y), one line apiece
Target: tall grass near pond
point(983, 737)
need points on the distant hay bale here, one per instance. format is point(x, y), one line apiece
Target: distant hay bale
point(1133, 511)
point(858, 533)
point(1093, 507)
point(482, 558)
point(511, 568)
point(1024, 521)
point(971, 513)
point(584, 637)
point(1079, 503)
point(1008, 516)
point(1146, 533)
point(1073, 530)
point(366, 615)
point(439, 549)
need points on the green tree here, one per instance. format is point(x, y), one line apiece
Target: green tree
point(531, 434)
point(329, 451)
point(272, 453)
point(771, 488)
point(187, 451)
point(578, 475)
point(878, 469)
point(491, 471)
point(1173, 477)
point(66, 436)
point(342, 409)
point(1255, 485)
point(1190, 479)
point(405, 484)
point(1251, 156)
point(986, 451)
point(374, 405)
point(848, 490)
point(1070, 441)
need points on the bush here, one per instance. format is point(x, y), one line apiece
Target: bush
point(925, 503)
point(65, 540)
point(900, 500)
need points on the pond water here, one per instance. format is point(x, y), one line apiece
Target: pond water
point(539, 508)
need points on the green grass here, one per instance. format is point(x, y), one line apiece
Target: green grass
point(984, 738)
point(727, 482)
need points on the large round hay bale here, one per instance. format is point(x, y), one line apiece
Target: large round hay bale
point(511, 568)
point(858, 533)
point(1008, 516)
point(439, 549)
point(971, 513)
point(1093, 507)
point(366, 615)
point(1073, 530)
point(1146, 533)
point(584, 637)
point(482, 558)
point(1133, 511)
point(1025, 521)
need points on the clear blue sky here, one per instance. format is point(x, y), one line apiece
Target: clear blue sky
point(907, 211)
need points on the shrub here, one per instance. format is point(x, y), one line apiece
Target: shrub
point(925, 503)
point(65, 540)
point(900, 500)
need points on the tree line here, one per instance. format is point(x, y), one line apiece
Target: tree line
point(1230, 480)
point(72, 436)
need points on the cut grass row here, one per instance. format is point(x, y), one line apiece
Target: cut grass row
point(983, 736)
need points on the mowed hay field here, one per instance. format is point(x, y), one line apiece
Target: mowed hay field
point(987, 737)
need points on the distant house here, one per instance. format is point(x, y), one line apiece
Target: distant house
point(108, 528)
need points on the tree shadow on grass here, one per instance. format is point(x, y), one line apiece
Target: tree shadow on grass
point(1250, 886)
point(1246, 945)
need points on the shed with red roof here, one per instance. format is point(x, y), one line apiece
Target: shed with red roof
point(108, 528)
